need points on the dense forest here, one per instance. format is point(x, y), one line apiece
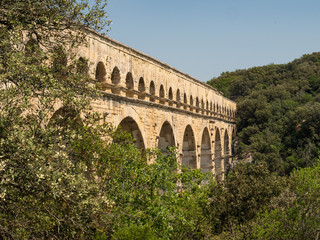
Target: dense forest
point(68, 175)
point(278, 112)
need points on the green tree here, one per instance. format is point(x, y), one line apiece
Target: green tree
point(235, 204)
point(295, 213)
point(45, 192)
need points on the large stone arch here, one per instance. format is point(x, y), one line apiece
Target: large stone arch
point(205, 155)
point(166, 137)
point(129, 125)
point(189, 157)
point(217, 153)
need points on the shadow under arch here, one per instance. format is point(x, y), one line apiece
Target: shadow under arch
point(141, 89)
point(226, 151)
point(206, 156)
point(129, 125)
point(217, 154)
point(129, 85)
point(166, 138)
point(100, 72)
point(189, 149)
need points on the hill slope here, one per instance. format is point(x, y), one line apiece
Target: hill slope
point(278, 111)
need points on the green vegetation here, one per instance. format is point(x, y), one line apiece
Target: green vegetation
point(278, 118)
point(278, 112)
point(64, 174)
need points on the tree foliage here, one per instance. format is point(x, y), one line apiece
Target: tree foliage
point(64, 173)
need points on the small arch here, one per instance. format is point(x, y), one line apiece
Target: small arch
point(60, 61)
point(115, 76)
point(100, 72)
point(31, 47)
point(189, 149)
point(161, 94)
point(166, 138)
point(82, 66)
point(129, 85)
point(152, 92)
point(178, 98)
point(141, 89)
point(191, 103)
point(202, 106)
point(65, 118)
point(197, 104)
point(115, 79)
point(33, 51)
point(170, 95)
point(178, 95)
point(129, 125)
point(185, 101)
point(205, 157)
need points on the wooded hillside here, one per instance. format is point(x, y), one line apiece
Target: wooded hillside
point(278, 111)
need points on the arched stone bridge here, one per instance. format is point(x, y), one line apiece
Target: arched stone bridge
point(161, 106)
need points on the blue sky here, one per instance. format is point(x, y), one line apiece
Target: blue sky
point(204, 38)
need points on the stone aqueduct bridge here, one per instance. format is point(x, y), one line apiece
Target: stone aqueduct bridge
point(161, 106)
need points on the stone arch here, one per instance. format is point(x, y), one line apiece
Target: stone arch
point(217, 154)
point(141, 89)
point(185, 101)
point(170, 96)
point(31, 47)
point(206, 156)
point(82, 66)
point(178, 95)
point(166, 137)
point(191, 103)
point(178, 98)
point(197, 104)
point(100, 72)
point(60, 61)
point(226, 151)
point(115, 79)
point(189, 158)
point(115, 75)
point(202, 106)
point(129, 125)
point(161, 94)
point(129, 85)
point(66, 118)
point(152, 91)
